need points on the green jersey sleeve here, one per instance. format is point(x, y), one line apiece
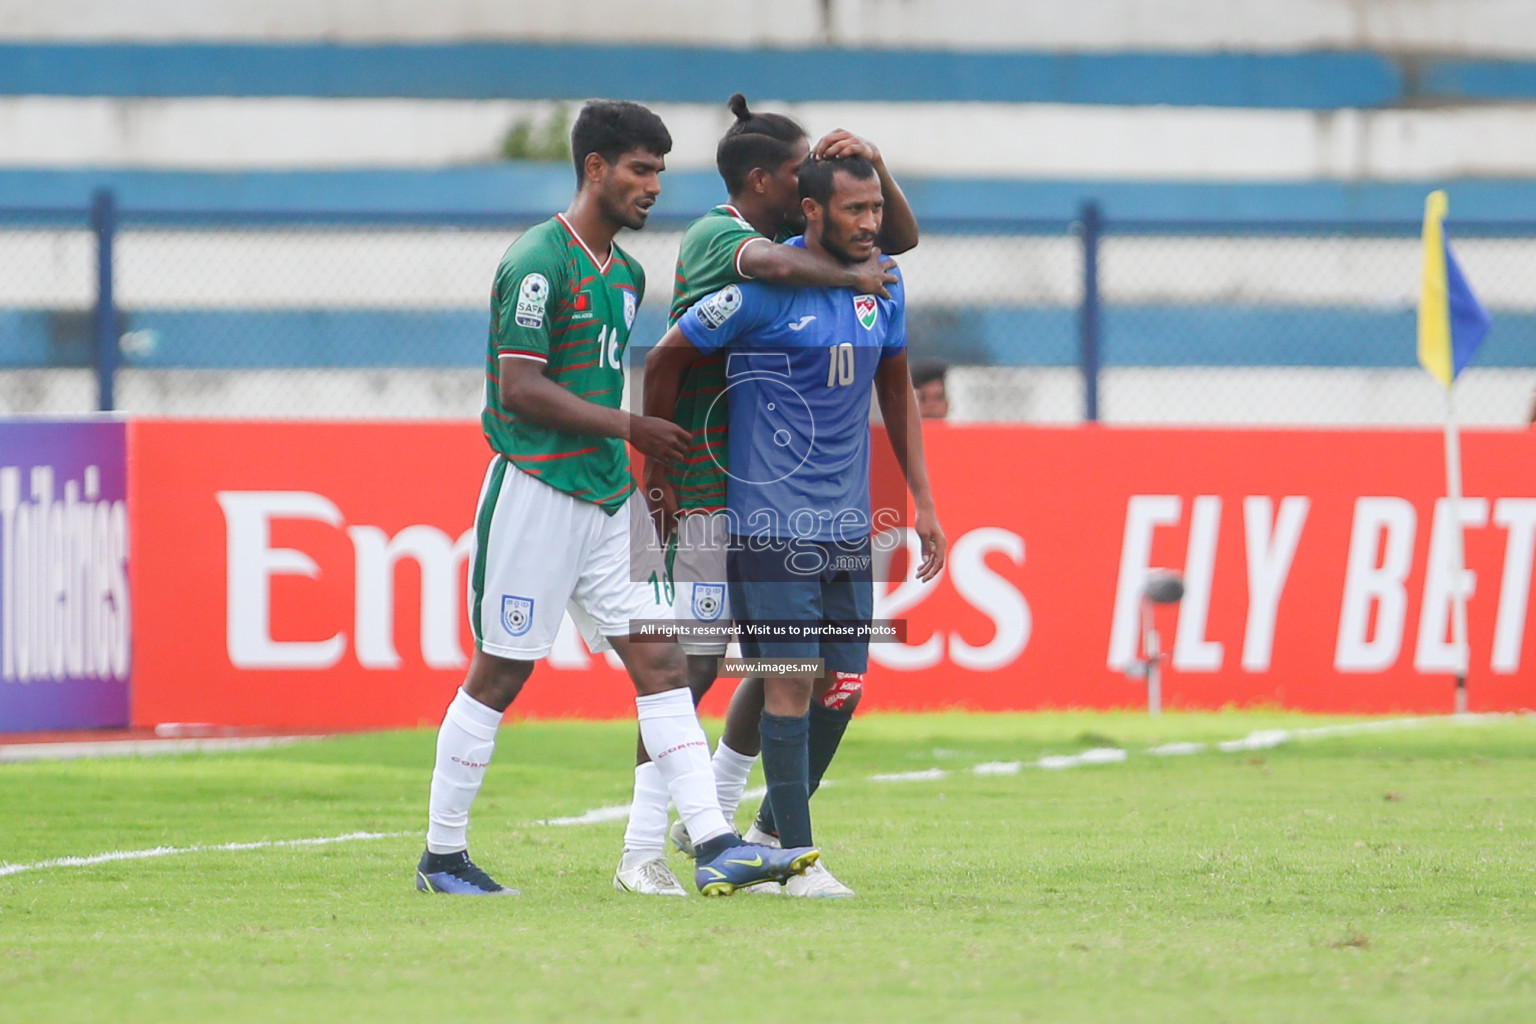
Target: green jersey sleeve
point(709, 259)
point(522, 304)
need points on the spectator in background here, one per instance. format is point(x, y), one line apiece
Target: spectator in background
point(928, 382)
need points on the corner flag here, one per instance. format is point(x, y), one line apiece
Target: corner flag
point(1452, 323)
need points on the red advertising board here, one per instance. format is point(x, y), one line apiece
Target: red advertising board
point(312, 574)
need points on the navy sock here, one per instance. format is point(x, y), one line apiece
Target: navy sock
point(827, 726)
point(786, 766)
point(705, 852)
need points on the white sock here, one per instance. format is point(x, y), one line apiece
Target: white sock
point(464, 746)
point(731, 771)
point(670, 729)
point(646, 833)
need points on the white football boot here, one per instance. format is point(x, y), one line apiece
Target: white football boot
point(648, 878)
point(758, 837)
point(680, 838)
point(817, 883)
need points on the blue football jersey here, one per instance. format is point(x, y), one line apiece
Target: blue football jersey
point(799, 366)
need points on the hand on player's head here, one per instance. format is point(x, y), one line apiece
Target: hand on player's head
point(840, 142)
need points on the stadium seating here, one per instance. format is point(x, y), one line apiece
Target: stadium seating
point(311, 199)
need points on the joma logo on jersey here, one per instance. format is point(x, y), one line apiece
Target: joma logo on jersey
point(865, 307)
point(516, 614)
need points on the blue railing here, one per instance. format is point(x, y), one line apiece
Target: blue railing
point(1114, 334)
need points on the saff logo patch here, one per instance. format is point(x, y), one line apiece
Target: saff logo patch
point(708, 601)
point(865, 308)
point(532, 296)
point(516, 614)
point(719, 307)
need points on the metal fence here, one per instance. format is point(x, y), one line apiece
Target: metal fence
point(177, 313)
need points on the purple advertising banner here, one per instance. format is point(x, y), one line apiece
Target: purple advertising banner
point(65, 637)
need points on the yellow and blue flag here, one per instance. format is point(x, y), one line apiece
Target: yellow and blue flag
point(1452, 323)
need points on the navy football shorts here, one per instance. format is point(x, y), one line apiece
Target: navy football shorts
point(816, 599)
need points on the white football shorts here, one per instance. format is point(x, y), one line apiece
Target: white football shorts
point(702, 602)
point(540, 552)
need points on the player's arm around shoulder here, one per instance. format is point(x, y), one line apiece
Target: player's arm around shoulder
point(794, 267)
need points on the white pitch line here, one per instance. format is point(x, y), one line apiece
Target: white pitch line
point(1178, 749)
point(926, 775)
point(11, 753)
point(618, 812)
point(1263, 739)
point(596, 816)
point(171, 851)
point(1268, 739)
point(1098, 755)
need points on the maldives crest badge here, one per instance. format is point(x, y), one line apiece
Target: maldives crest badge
point(865, 308)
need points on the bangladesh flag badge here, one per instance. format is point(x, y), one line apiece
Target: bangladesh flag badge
point(865, 307)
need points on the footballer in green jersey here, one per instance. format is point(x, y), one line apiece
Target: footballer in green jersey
point(555, 304)
point(547, 538)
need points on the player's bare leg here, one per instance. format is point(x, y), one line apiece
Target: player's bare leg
point(464, 745)
point(743, 716)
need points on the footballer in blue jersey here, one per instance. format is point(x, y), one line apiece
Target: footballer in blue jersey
point(800, 365)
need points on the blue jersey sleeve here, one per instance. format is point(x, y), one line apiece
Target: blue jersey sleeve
point(895, 340)
point(736, 310)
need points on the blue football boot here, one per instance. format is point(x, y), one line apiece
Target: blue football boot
point(748, 864)
point(456, 875)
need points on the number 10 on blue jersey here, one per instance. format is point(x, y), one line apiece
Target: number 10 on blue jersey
point(839, 365)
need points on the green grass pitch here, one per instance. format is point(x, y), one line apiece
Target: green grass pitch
point(1378, 877)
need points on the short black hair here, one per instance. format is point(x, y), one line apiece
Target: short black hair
point(816, 175)
point(754, 140)
point(926, 371)
point(611, 128)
